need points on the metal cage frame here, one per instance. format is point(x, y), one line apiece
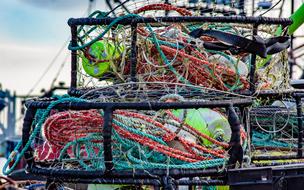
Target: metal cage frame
point(168, 179)
point(165, 178)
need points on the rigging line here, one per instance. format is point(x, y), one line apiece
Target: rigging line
point(51, 63)
point(121, 4)
point(110, 6)
point(60, 69)
point(281, 9)
point(298, 48)
point(298, 56)
point(271, 8)
point(90, 7)
point(48, 67)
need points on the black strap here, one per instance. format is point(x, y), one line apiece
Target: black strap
point(277, 44)
point(229, 41)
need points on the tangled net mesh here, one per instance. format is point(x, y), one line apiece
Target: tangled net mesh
point(197, 8)
point(153, 91)
point(275, 130)
point(149, 139)
point(272, 74)
point(177, 53)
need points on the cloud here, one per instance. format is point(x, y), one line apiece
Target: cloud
point(21, 65)
point(30, 37)
point(58, 4)
point(64, 5)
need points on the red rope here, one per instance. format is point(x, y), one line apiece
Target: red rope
point(169, 135)
point(164, 7)
point(64, 127)
point(67, 126)
point(229, 73)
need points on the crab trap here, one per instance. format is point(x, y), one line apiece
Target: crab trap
point(162, 96)
point(117, 133)
point(214, 52)
point(277, 128)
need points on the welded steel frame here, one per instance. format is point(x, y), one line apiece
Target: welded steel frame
point(133, 22)
point(297, 95)
point(156, 177)
point(164, 179)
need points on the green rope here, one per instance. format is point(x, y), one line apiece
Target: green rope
point(265, 140)
point(128, 154)
point(33, 135)
point(115, 21)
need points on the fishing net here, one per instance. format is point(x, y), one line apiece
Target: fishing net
point(143, 147)
point(68, 139)
point(197, 7)
point(275, 131)
point(211, 54)
point(273, 72)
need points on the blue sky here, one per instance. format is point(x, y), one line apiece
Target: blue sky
point(23, 24)
point(28, 23)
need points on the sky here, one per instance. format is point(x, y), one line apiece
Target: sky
point(31, 34)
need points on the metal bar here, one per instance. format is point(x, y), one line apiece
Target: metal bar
point(236, 150)
point(284, 157)
point(138, 173)
point(272, 94)
point(300, 125)
point(140, 105)
point(110, 6)
point(187, 93)
point(107, 139)
point(177, 19)
point(26, 129)
point(246, 122)
point(299, 93)
point(74, 57)
point(253, 64)
point(298, 56)
point(133, 52)
point(292, 7)
point(276, 148)
point(299, 47)
point(291, 53)
point(190, 186)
